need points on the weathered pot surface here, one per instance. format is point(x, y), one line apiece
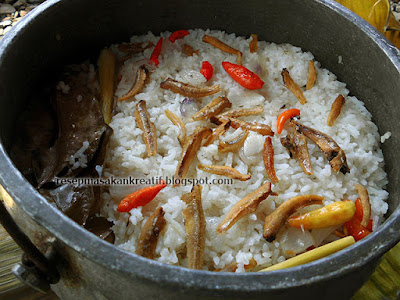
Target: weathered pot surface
point(59, 32)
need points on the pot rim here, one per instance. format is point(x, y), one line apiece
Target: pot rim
point(132, 265)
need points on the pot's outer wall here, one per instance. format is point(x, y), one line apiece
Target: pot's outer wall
point(69, 31)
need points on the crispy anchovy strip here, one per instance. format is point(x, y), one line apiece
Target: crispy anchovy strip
point(236, 123)
point(244, 207)
point(274, 221)
point(189, 90)
point(195, 226)
point(213, 108)
point(312, 75)
point(366, 205)
point(220, 130)
point(333, 153)
point(189, 150)
point(223, 47)
point(225, 171)
point(107, 79)
point(253, 43)
point(178, 122)
point(134, 47)
point(296, 144)
point(141, 77)
point(188, 50)
point(242, 112)
point(150, 232)
point(268, 156)
point(292, 86)
point(335, 110)
point(149, 134)
point(234, 144)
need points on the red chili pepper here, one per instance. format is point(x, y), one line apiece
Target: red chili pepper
point(286, 115)
point(359, 214)
point(355, 229)
point(178, 35)
point(140, 197)
point(243, 76)
point(156, 52)
point(207, 70)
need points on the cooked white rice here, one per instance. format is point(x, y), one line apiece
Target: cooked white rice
point(127, 155)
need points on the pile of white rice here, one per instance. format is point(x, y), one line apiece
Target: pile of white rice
point(127, 156)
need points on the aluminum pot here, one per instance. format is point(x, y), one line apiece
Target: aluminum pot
point(59, 32)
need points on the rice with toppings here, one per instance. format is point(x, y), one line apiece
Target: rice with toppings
point(353, 130)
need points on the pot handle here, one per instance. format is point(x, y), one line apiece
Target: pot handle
point(35, 266)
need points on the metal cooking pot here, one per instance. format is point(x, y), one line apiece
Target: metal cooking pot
point(61, 32)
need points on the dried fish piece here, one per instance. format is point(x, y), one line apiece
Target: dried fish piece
point(141, 77)
point(149, 134)
point(234, 144)
point(366, 205)
point(189, 90)
point(296, 144)
point(335, 110)
point(213, 108)
point(242, 112)
point(220, 130)
point(274, 221)
point(268, 156)
point(253, 43)
point(333, 153)
point(106, 65)
point(195, 226)
point(150, 233)
point(244, 207)
point(292, 86)
point(189, 151)
point(225, 171)
point(178, 122)
point(188, 50)
point(312, 75)
point(236, 123)
point(223, 47)
point(134, 48)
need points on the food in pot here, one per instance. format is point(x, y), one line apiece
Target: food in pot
point(243, 224)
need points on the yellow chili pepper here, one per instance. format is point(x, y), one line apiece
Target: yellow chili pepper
point(333, 214)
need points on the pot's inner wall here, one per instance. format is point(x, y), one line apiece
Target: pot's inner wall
point(74, 30)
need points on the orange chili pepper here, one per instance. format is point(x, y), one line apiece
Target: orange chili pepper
point(207, 70)
point(286, 115)
point(243, 76)
point(359, 214)
point(156, 52)
point(178, 35)
point(140, 197)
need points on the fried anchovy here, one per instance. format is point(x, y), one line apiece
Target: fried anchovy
point(188, 50)
point(292, 86)
point(141, 77)
point(189, 90)
point(150, 233)
point(296, 144)
point(245, 207)
point(253, 43)
point(220, 130)
point(242, 112)
point(189, 151)
point(312, 75)
point(225, 171)
point(335, 110)
point(223, 47)
point(212, 109)
point(268, 156)
point(234, 144)
point(274, 221)
point(195, 226)
point(366, 205)
point(178, 122)
point(149, 134)
point(333, 153)
point(262, 129)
